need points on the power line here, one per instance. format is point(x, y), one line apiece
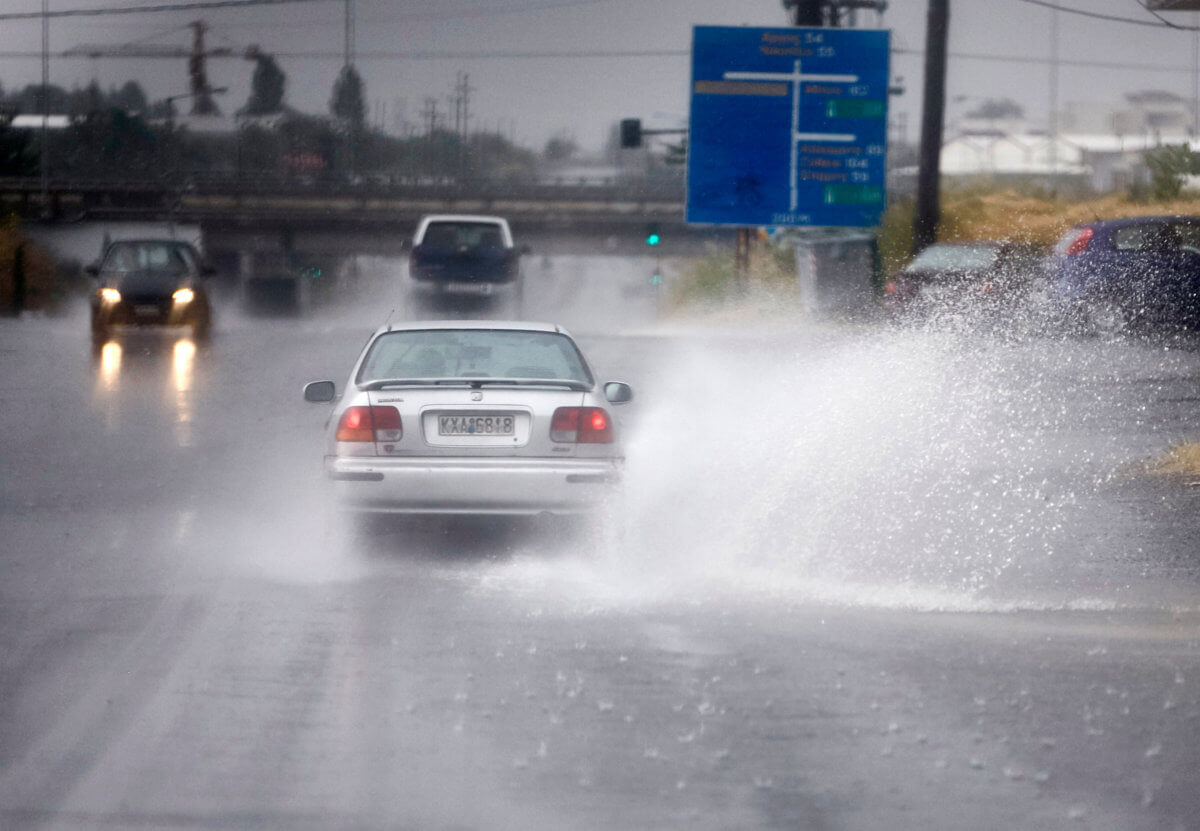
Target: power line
point(400, 55)
point(194, 5)
point(1163, 24)
point(1169, 24)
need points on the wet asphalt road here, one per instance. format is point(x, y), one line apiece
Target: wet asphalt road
point(864, 579)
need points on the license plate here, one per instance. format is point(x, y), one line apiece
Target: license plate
point(145, 311)
point(476, 425)
point(469, 288)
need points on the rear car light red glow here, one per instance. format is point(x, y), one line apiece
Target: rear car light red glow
point(581, 425)
point(1080, 243)
point(369, 424)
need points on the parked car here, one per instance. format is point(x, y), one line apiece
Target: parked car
point(465, 253)
point(150, 282)
point(1138, 271)
point(951, 273)
point(472, 417)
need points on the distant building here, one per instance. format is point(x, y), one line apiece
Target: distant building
point(34, 122)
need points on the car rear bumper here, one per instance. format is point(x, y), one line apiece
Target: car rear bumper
point(433, 485)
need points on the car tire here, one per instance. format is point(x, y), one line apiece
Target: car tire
point(1106, 320)
point(100, 332)
point(201, 330)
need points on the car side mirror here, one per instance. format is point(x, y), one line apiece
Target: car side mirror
point(618, 392)
point(406, 245)
point(320, 392)
point(93, 269)
point(525, 250)
point(207, 270)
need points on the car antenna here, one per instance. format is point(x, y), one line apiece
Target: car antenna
point(388, 321)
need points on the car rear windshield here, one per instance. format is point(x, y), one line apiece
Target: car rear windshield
point(474, 353)
point(954, 257)
point(463, 235)
point(164, 258)
point(1157, 236)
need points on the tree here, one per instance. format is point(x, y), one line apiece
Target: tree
point(266, 87)
point(17, 155)
point(30, 99)
point(348, 104)
point(85, 101)
point(1168, 165)
point(130, 97)
point(560, 148)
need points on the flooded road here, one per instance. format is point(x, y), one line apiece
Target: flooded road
point(861, 578)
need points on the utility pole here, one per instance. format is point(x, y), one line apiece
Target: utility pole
point(202, 101)
point(928, 213)
point(44, 149)
point(348, 30)
point(806, 12)
point(1053, 101)
point(429, 114)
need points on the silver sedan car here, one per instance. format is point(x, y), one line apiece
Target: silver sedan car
point(472, 417)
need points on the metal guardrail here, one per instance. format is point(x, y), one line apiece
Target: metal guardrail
point(258, 184)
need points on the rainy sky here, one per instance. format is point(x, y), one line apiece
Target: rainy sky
point(540, 68)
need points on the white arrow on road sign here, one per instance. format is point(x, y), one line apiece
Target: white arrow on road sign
point(795, 78)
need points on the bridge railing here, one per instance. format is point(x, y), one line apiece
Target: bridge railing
point(624, 189)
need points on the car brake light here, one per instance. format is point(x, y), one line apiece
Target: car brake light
point(1080, 243)
point(889, 287)
point(581, 425)
point(369, 424)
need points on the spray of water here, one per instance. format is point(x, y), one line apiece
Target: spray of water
point(934, 466)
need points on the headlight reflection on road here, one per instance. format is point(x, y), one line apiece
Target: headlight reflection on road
point(110, 366)
point(183, 365)
point(108, 381)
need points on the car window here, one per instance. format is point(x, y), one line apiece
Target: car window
point(152, 257)
point(481, 353)
point(1157, 236)
point(463, 235)
point(942, 257)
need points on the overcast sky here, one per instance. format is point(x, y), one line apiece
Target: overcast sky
point(538, 68)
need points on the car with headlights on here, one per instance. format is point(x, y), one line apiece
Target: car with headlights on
point(149, 282)
point(473, 417)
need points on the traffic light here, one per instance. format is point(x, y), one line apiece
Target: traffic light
point(631, 132)
point(652, 237)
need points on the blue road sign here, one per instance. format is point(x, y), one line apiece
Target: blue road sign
point(788, 126)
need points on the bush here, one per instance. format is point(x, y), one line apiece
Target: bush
point(43, 291)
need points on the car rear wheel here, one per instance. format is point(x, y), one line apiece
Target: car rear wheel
point(1107, 320)
point(100, 332)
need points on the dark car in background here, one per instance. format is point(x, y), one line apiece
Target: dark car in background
point(465, 253)
point(150, 282)
point(1142, 271)
point(956, 273)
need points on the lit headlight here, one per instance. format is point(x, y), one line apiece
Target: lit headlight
point(110, 295)
point(183, 296)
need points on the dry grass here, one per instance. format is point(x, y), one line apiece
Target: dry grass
point(1183, 459)
point(1011, 215)
point(709, 282)
point(42, 288)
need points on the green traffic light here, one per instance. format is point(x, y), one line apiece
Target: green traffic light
point(652, 239)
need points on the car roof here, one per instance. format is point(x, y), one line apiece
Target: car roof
point(499, 220)
point(983, 243)
point(1121, 222)
point(502, 325)
point(150, 241)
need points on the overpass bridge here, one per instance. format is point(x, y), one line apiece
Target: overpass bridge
point(314, 218)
